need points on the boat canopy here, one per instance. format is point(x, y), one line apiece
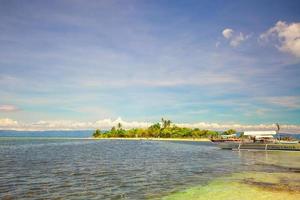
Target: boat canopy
point(228, 136)
point(259, 133)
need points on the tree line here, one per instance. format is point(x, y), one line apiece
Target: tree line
point(164, 129)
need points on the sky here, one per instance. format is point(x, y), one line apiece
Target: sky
point(85, 64)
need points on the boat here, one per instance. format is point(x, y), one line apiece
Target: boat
point(225, 140)
point(261, 140)
point(287, 142)
point(260, 146)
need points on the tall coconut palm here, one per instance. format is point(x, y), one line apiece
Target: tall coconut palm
point(165, 123)
point(119, 126)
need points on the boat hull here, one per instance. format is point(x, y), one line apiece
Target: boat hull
point(225, 140)
point(264, 147)
point(287, 142)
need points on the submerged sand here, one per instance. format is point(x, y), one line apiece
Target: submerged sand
point(246, 186)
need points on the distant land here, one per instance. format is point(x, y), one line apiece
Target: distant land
point(167, 130)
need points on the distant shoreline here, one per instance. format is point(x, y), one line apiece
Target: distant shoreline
point(158, 139)
point(44, 138)
point(112, 138)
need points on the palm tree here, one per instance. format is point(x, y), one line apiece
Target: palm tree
point(119, 126)
point(113, 129)
point(169, 123)
point(97, 133)
point(165, 123)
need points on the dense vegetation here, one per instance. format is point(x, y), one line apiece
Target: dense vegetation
point(164, 129)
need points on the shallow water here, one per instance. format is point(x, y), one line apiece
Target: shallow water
point(246, 186)
point(119, 169)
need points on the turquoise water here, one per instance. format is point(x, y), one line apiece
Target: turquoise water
point(47, 134)
point(48, 168)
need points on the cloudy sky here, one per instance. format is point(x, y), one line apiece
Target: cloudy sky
point(85, 64)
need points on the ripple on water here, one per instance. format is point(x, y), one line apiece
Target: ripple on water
point(111, 169)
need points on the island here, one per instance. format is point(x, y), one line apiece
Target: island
point(164, 130)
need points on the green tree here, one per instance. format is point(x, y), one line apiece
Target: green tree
point(131, 133)
point(165, 123)
point(165, 129)
point(113, 132)
point(243, 136)
point(212, 134)
point(166, 133)
point(119, 126)
point(154, 130)
point(97, 133)
point(229, 132)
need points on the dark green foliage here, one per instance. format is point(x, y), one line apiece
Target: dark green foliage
point(165, 129)
point(243, 136)
point(229, 132)
point(119, 126)
point(97, 133)
point(165, 123)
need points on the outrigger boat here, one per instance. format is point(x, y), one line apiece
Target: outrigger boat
point(262, 140)
point(264, 147)
point(287, 142)
point(226, 138)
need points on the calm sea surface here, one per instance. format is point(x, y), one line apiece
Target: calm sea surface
point(48, 168)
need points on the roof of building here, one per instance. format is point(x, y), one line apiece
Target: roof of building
point(259, 133)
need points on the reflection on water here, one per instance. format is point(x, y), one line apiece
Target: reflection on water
point(112, 169)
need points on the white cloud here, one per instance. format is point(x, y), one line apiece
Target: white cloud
point(108, 123)
point(9, 124)
point(287, 36)
point(227, 33)
point(238, 39)
point(8, 108)
point(242, 127)
point(235, 39)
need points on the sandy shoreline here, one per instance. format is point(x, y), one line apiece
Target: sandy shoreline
point(160, 139)
point(91, 138)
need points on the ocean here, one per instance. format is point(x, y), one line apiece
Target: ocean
point(58, 167)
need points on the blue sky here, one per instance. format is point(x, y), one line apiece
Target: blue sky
point(190, 61)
